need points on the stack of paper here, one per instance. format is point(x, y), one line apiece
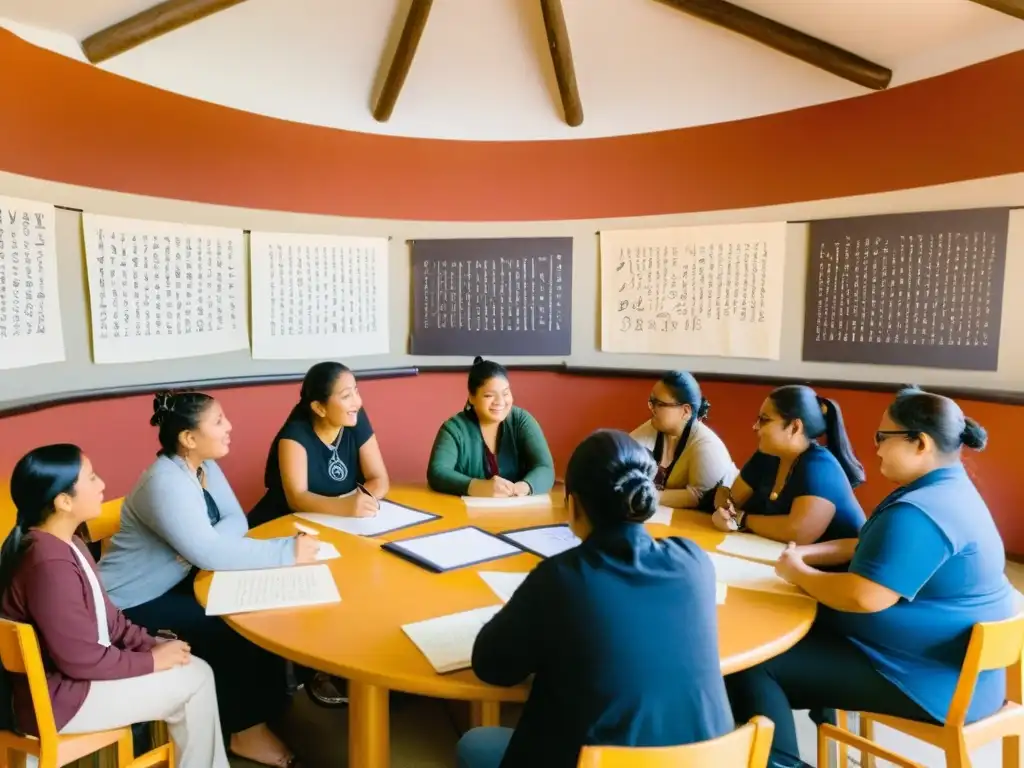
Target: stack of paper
point(269, 589)
point(511, 502)
point(746, 574)
point(544, 540)
point(390, 517)
point(447, 642)
point(662, 517)
point(752, 547)
point(503, 584)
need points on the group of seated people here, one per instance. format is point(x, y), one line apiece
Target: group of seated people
point(619, 634)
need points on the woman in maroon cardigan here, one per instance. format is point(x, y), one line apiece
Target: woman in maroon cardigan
point(102, 671)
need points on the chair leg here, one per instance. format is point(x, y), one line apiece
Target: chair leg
point(867, 731)
point(957, 755)
point(1011, 752)
point(15, 758)
point(125, 749)
point(843, 752)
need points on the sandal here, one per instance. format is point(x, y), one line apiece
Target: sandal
point(324, 690)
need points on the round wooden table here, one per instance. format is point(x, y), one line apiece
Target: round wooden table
point(361, 640)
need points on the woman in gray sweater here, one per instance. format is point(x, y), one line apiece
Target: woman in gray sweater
point(182, 517)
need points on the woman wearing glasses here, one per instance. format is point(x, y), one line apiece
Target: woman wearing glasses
point(892, 629)
point(793, 489)
point(692, 460)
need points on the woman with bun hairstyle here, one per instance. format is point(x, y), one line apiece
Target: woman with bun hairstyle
point(102, 671)
point(794, 488)
point(893, 627)
point(692, 460)
point(620, 632)
point(180, 518)
point(492, 447)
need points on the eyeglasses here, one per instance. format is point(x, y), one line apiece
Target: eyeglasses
point(884, 434)
point(655, 403)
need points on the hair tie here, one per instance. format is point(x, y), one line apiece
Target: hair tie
point(823, 404)
point(164, 402)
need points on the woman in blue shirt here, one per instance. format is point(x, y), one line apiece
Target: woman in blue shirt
point(892, 631)
point(793, 489)
point(620, 633)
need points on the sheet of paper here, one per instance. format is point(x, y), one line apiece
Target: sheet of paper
point(547, 541)
point(513, 502)
point(752, 547)
point(447, 641)
point(269, 589)
point(721, 590)
point(503, 583)
point(454, 549)
point(746, 574)
point(390, 517)
point(327, 552)
point(663, 516)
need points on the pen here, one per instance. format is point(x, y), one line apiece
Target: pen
point(362, 488)
point(305, 529)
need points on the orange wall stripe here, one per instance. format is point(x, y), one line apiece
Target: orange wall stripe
point(70, 122)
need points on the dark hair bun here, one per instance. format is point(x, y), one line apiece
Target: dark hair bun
point(477, 360)
point(974, 435)
point(162, 405)
point(703, 408)
point(639, 494)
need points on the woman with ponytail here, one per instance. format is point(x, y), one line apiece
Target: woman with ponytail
point(492, 447)
point(620, 632)
point(894, 624)
point(794, 489)
point(102, 671)
point(692, 460)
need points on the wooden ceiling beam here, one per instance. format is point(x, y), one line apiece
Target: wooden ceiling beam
point(415, 22)
point(149, 24)
point(1013, 8)
point(787, 40)
point(561, 58)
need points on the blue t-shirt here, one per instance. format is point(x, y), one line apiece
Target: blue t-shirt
point(325, 475)
point(934, 543)
point(815, 473)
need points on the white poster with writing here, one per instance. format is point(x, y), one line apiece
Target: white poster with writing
point(318, 296)
point(707, 291)
point(30, 325)
point(160, 290)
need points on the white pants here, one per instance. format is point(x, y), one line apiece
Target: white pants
point(183, 697)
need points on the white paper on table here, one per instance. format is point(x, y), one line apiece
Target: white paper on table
point(327, 552)
point(752, 547)
point(546, 541)
point(663, 516)
point(721, 590)
point(447, 641)
point(390, 517)
point(269, 589)
point(746, 574)
point(457, 548)
point(510, 502)
point(503, 583)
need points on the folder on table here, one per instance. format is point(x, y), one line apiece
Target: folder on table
point(448, 550)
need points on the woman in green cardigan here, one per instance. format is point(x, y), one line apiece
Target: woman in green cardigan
point(492, 448)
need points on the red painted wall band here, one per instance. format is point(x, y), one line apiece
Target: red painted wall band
point(80, 125)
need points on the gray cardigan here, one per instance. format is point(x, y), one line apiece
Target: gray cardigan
point(165, 530)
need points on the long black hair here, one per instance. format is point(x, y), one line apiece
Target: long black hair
point(820, 416)
point(612, 477)
point(39, 477)
point(317, 387)
point(940, 418)
point(174, 413)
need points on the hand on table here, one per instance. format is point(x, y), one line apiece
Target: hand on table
point(790, 563)
point(306, 548)
point(360, 504)
point(496, 487)
point(724, 518)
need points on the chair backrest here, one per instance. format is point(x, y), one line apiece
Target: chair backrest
point(20, 655)
point(993, 645)
point(109, 521)
point(746, 747)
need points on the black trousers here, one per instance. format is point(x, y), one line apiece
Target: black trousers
point(251, 684)
point(822, 672)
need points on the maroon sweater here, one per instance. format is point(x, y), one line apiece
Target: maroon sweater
point(52, 593)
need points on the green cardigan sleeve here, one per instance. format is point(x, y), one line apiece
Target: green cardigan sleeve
point(540, 467)
point(442, 473)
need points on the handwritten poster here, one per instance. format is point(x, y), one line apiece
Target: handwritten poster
point(920, 289)
point(159, 290)
point(714, 290)
point(318, 295)
point(500, 296)
point(30, 325)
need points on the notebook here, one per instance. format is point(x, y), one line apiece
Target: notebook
point(234, 592)
point(543, 540)
point(452, 549)
point(511, 502)
point(389, 518)
point(746, 574)
point(447, 641)
point(752, 547)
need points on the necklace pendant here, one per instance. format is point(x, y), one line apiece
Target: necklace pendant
point(774, 495)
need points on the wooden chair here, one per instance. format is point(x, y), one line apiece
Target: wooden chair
point(108, 523)
point(20, 655)
point(993, 645)
point(746, 747)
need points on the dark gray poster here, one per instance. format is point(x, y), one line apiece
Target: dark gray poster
point(500, 296)
point(923, 289)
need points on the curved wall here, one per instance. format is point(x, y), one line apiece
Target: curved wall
point(81, 125)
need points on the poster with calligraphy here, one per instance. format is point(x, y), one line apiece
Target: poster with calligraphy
point(921, 289)
point(316, 296)
point(30, 325)
point(159, 290)
point(500, 296)
point(713, 290)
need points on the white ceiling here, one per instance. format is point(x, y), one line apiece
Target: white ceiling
point(482, 70)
